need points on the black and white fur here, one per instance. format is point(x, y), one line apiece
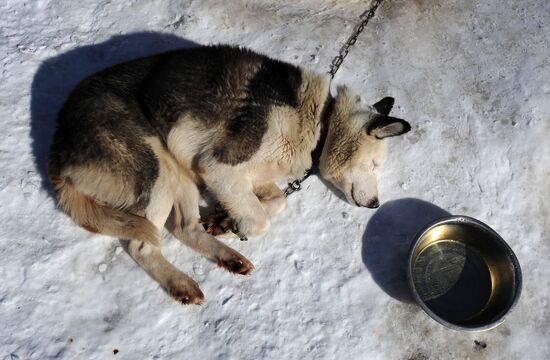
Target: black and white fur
point(139, 141)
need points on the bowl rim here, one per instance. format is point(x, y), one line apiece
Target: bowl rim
point(503, 243)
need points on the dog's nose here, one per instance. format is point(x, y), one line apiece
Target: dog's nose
point(373, 203)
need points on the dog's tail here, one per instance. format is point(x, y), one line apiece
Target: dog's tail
point(100, 218)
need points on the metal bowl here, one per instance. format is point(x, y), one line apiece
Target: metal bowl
point(463, 274)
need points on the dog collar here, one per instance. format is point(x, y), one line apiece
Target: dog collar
point(328, 108)
point(326, 114)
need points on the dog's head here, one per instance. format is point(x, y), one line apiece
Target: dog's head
point(354, 147)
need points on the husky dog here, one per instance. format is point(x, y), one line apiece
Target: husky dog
point(139, 141)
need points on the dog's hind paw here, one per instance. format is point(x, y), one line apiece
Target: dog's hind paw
point(235, 263)
point(185, 293)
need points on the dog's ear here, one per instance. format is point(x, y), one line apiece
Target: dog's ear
point(385, 105)
point(382, 126)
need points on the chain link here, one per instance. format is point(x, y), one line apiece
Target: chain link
point(296, 185)
point(344, 50)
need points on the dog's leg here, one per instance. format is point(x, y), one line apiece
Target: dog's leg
point(180, 286)
point(186, 227)
point(235, 193)
point(149, 257)
point(272, 198)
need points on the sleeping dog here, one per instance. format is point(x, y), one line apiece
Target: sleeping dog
point(140, 141)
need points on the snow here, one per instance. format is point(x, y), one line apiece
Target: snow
point(472, 78)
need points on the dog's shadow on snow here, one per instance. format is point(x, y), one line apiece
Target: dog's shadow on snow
point(387, 238)
point(58, 75)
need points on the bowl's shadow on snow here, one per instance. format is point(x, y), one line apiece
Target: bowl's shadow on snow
point(387, 239)
point(58, 75)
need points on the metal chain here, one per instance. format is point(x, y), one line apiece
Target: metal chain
point(344, 50)
point(364, 18)
point(296, 185)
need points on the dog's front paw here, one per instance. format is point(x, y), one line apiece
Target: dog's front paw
point(234, 262)
point(253, 226)
point(217, 223)
point(274, 206)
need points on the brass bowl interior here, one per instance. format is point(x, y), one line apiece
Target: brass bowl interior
point(464, 274)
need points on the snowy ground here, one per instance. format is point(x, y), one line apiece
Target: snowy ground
point(473, 77)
